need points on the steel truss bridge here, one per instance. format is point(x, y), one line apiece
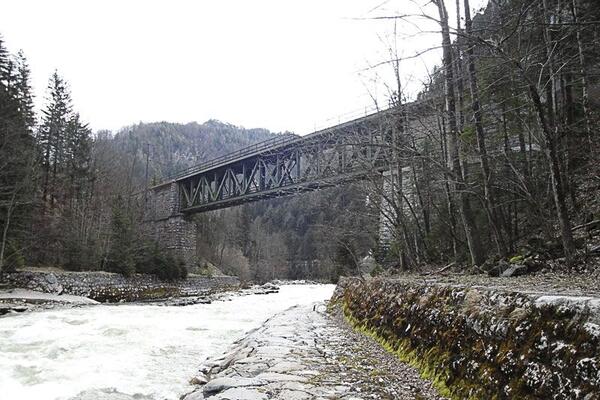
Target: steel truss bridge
point(289, 164)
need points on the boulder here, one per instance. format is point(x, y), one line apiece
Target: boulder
point(220, 384)
point(515, 270)
point(199, 380)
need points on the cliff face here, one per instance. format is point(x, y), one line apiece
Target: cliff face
point(483, 343)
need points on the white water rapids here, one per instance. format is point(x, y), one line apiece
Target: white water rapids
point(146, 351)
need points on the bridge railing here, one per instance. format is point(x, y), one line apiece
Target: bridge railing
point(255, 148)
point(269, 143)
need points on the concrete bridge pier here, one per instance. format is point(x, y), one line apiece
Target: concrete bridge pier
point(175, 231)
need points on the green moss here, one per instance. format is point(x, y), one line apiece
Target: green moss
point(467, 345)
point(401, 348)
point(516, 259)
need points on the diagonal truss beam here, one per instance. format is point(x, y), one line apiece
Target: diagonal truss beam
point(332, 157)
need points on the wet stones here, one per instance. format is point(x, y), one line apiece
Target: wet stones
point(301, 354)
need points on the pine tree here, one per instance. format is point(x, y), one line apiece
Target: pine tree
point(16, 156)
point(4, 59)
point(24, 91)
point(51, 137)
point(120, 257)
point(78, 153)
point(8, 104)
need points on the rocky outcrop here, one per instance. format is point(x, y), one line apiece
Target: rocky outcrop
point(482, 342)
point(110, 287)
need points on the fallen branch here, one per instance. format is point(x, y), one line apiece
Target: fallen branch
point(596, 222)
point(441, 270)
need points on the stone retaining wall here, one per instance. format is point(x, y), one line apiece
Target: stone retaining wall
point(177, 232)
point(483, 343)
point(110, 287)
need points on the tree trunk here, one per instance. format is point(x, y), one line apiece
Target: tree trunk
point(9, 210)
point(489, 197)
point(448, 194)
point(552, 137)
point(585, 101)
point(471, 231)
point(555, 175)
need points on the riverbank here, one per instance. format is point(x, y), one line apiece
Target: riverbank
point(530, 338)
point(422, 337)
point(306, 353)
point(14, 301)
point(107, 287)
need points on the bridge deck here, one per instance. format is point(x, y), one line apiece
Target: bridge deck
point(268, 146)
point(287, 164)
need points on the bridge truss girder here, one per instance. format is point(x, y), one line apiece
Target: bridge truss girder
point(316, 161)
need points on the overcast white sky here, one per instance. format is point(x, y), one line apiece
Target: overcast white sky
point(281, 65)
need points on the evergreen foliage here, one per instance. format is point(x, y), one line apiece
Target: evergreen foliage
point(502, 152)
point(121, 252)
point(17, 156)
point(157, 261)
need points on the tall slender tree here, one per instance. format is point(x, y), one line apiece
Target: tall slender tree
point(16, 154)
point(471, 230)
point(488, 192)
point(51, 137)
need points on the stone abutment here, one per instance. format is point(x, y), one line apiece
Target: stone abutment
point(174, 230)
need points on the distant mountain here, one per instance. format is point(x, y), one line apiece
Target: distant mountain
point(174, 146)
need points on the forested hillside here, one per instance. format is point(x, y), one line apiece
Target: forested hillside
point(69, 197)
point(300, 238)
point(172, 147)
point(495, 159)
point(499, 152)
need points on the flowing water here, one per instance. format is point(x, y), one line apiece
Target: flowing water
point(143, 351)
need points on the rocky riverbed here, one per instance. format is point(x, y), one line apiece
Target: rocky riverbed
point(306, 353)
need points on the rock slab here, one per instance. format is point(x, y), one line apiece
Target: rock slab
point(305, 353)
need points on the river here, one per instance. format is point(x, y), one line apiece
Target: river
point(146, 351)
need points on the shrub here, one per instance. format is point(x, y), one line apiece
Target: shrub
point(13, 258)
point(155, 260)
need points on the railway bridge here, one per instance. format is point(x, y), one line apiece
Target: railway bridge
point(282, 166)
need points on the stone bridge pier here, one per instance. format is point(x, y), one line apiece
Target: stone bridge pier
point(175, 231)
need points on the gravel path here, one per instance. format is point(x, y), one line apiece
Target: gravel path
point(377, 373)
point(565, 284)
point(303, 354)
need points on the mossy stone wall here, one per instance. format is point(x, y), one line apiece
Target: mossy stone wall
point(481, 343)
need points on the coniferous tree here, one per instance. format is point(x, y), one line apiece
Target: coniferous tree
point(24, 91)
point(51, 137)
point(78, 154)
point(120, 257)
point(16, 155)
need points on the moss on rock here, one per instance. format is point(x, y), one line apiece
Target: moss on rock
point(478, 343)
